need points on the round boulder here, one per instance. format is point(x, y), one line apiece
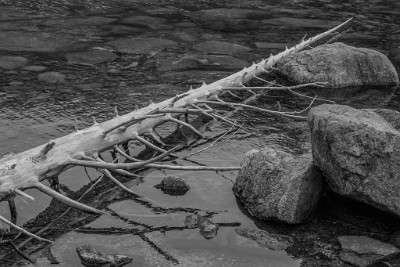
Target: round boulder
point(339, 65)
point(358, 151)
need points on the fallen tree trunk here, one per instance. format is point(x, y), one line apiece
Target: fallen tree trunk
point(81, 148)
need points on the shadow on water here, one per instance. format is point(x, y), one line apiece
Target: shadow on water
point(97, 46)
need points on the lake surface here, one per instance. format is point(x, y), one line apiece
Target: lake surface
point(123, 53)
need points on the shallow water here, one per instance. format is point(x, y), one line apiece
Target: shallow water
point(32, 112)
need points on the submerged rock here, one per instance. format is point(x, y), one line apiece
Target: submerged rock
point(11, 63)
point(340, 65)
point(220, 47)
point(51, 77)
point(265, 239)
point(141, 45)
point(358, 152)
point(91, 57)
point(274, 185)
point(35, 41)
point(173, 185)
point(225, 19)
point(35, 68)
point(291, 22)
point(208, 229)
point(91, 257)
point(208, 62)
point(363, 251)
point(76, 21)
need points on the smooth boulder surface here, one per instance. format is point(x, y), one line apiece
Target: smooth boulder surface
point(275, 185)
point(339, 65)
point(358, 151)
point(363, 251)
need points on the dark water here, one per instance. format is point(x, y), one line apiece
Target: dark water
point(33, 111)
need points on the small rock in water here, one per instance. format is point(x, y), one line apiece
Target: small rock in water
point(191, 221)
point(51, 77)
point(208, 229)
point(10, 63)
point(113, 71)
point(363, 251)
point(265, 239)
point(209, 62)
point(173, 185)
point(91, 257)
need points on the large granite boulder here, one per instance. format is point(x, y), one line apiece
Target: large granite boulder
point(340, 65)
point(275, 185)
point(358, 152)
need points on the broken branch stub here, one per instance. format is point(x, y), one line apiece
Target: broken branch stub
point(27, 169)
